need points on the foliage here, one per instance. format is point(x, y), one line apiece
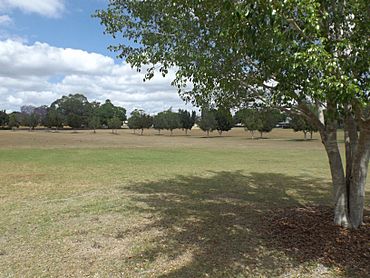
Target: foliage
point(31, 120)
point(224, 120)
point(4, 118)
point(74, 108)
point(207, 121)
point(187, 120)
point(139, 120)
point(54, 118)
point(269, 118)
point(251, 119)
point(13, 121)
point(171, 120)
point(108, 111)
point(114, 123)
point(94, 123)
point(74, 120)
point(159, 121)
point(41, 113)
point(299, 123)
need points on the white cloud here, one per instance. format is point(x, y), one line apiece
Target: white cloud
point(49, 8)
point(38, 74)
point(5, 20)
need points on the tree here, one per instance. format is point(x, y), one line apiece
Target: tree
point(251, 119)
point(207, 121)
point(32, 120)
point(269, 118)
point(54, 118)
point(139, 120)
point(13, 122)
point(187, 120)
point(171, 120)
point(41, 113)
point(114, 124)
point(74, 120)
point(108, 111)
point(299, 123)
point(75, 109)
point(94, 123)
point(159, 122)
point(224, 120)
point(4, 118)
point(29, 117)
point(288, 53)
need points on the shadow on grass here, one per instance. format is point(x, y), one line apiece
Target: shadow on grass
point(221, 221)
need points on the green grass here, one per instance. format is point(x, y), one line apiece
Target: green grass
point(152, 212)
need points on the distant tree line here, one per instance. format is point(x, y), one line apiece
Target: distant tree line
point(77, 112)
point(73, 110)
point(210, 120)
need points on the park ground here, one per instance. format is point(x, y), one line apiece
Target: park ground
point(78, 204)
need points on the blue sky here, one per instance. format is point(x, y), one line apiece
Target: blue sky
point(50, 48)
point(74, 27)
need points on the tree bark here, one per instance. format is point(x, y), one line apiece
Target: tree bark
point(358, 176)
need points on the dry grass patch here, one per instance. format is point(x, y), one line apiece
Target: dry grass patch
point(85, 205)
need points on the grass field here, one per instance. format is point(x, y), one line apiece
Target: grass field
point(103, 205)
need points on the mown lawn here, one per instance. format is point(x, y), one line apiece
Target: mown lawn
point(155, 206)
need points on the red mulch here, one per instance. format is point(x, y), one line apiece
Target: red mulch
point(308, 234)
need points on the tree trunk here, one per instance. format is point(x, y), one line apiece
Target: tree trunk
point(311, 134)
point(142, 131)
point(261, 134)
point(357, 180)
point(329, 139)
point(220, 132)
point(186, 131)
point(207, 133)
point(305, 135)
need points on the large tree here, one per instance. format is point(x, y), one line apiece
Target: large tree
point(75, 109)
point(290, 53)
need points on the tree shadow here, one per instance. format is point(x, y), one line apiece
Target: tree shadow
point(222, 222)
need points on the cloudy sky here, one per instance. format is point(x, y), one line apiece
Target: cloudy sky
point(50, 48)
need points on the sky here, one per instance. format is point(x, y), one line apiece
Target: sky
point(51, 48)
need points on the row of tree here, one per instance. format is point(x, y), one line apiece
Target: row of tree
point(76, 112)
point(73, 110)
point(210, 120)
point(262, 120)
